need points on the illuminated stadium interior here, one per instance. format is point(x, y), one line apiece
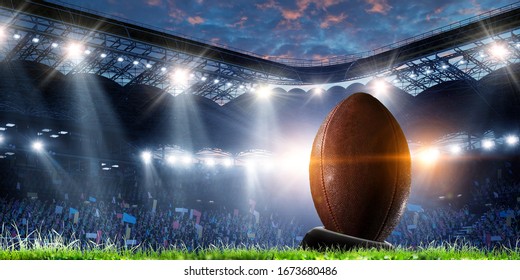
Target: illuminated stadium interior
point(130, 116)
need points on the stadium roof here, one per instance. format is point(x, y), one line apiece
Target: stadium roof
point(130, 54)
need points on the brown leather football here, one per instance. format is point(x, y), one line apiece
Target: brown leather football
point(360, 169)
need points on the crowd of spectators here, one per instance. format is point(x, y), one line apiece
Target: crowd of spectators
point(101, 222)
point(490, 220)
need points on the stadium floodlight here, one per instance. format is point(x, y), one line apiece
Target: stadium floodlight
point(2, 32)
point(54, 45)
point(74, 50)
point(210, 162)
point(148, 65)
point(171, 159)
point(17, 36)
point(87, 52)
point(264, 92)
point(488, 144)
point(228, 84)
point(250, 164)
point(216, 81)
point(455, 149)
point(380, 86)
point(146, 156)
point(318, 91)
point(103, 55)
point(35, 40)
point(512, 140)
point(135, 62)
point(187, 160)
point(429, 156)
point(204, 78)
point(163, 69)
point(180, 77)
point(37, 146)
point(120, 59)
point(499, 51)
point(1, 139)
point(228, 162)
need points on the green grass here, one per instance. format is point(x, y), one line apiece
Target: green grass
point(56, 247)
point(110, 253)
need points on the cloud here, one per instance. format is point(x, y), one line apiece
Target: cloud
point(291, 14)
point(285, 25)
point(240, 23)
point(320, 4)
point(332, 19)
point(195, 20)
point(475, 9)
point(378, 6)
point(154, 2)
point(270, 4)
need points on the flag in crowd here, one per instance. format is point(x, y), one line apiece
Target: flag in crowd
point(127, 218)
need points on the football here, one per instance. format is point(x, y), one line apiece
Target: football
point(360, 169)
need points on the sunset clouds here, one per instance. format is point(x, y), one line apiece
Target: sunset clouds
point(308, 29)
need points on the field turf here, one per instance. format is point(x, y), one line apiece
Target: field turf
point(431, 253)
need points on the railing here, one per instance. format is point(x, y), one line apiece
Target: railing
point(296, 62)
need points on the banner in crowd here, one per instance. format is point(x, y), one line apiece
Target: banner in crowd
point(72, 211)
point(91, 199)
point(127, 218)
point(414, 208)
point(496, 238)
point(252, 205)
point(91, 235)
point(32, 195)
point(257, 216)
point(58, 210)
point(235, 212)
point(76, 217)
point(99, 234)
point(176, 225)
point(128, 232)
point(181, 210)
point(154, 205)
point(197, 215)
point(131, 242)
point(199, 230)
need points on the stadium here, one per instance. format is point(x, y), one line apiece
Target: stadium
point(112, 132)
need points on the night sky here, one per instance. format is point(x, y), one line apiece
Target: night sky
point(307, 29)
